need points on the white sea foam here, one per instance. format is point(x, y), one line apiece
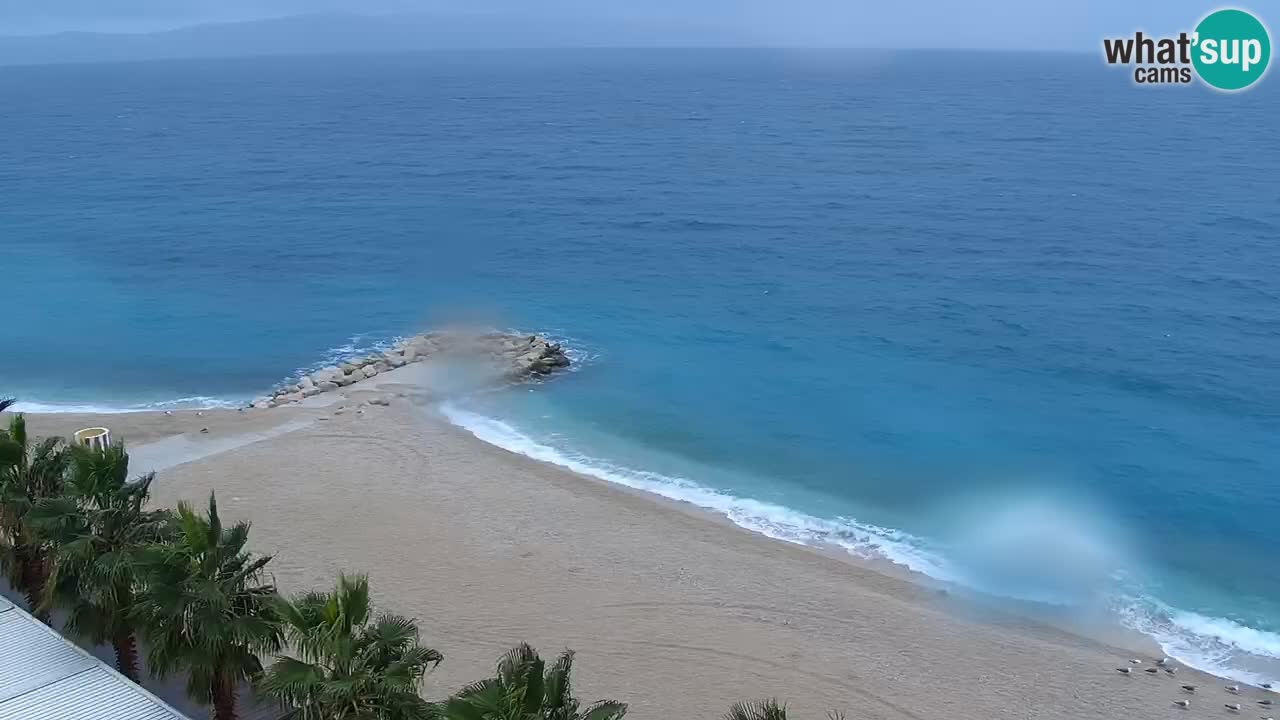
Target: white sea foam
point(356, 346)
point(1218, 646)
point(197, 402)
point(1215, 645)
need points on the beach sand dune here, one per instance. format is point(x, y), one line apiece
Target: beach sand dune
point(672, 611)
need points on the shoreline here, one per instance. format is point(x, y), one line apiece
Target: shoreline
point(239, 429)
point(671, 607)
point(418, 382)
point(1110, 635)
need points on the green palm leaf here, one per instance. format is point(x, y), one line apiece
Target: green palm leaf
point(757, 710)
point(345, 666)
point(524, 689)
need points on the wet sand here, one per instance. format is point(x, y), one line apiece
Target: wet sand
point(672, 611)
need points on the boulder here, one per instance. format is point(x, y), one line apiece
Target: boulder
point(325, 374)
point(306, 384)
point(327, 386)
point(369, 370)
point(261, 404)
point(286, 399)
point(313, 390)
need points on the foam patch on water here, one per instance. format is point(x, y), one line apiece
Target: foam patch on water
point(357, 346)
point(1214, 645)
point(197, 402)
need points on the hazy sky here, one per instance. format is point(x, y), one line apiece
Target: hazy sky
point(1053, 24)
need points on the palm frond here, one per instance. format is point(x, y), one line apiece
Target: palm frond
point(511, 663)
point(768, 709)
point(605, 710)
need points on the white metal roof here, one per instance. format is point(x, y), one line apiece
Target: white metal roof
point(43, 676)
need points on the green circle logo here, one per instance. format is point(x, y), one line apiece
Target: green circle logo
point(1232, 49)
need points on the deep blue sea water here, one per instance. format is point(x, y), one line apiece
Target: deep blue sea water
point(1004, 318)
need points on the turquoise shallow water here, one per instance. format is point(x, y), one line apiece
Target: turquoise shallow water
point(1006, 319)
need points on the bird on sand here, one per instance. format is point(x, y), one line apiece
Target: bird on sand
point(1171, 671)
point(1123, 671)
point(1184, 704)
point(1265, 702)
point(1135, 661)
point(1189, 688)
point(1233, 707)
point(1266, 686)
point(1162, 662)
point(1152, 670)
point(1233, 689)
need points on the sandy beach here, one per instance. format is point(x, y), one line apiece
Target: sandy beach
point(670, 610)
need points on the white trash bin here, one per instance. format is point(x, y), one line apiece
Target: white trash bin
point(96, 438)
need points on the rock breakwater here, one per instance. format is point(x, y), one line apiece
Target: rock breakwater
point(514, 358)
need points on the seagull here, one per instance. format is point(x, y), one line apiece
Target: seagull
point(1233, 689)
point(1171, 671)
point(1123, 671)
point(1266, 686)
point(1162, 662)
point(1264, 702)
point(1152, 670)
point(1184, 704)
point(1189, 688)
point(1135, 662)
point(1233, 707)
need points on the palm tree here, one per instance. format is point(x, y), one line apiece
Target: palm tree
point(348, 666)
point(204, 608)
point(29, 471)
point(97, 530)
point(525, 690)
point(768, 709)
point(10, 451)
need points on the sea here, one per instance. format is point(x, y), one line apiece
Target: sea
point(1008, 320)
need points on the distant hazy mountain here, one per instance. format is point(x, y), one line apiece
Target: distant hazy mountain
point(349, 34)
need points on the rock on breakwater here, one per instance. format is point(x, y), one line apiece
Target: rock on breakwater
point(515, 357)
